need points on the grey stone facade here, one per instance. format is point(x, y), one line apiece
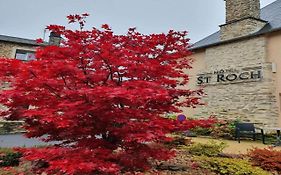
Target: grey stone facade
point(241, 28)
point(7, 49)
point(245, 100)
point(238, 77)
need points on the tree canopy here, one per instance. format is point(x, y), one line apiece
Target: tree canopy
point(102, 96)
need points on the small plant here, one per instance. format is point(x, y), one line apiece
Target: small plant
point(224, 129)
point(268, 159)
point(210, 149)
point(220, 129)
point(227, 166)
point(270, 137)
point(171, 116)
point(9, 158)
point(201, 131)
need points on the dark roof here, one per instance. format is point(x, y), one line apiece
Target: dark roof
point(271, 13)
point(19, 40)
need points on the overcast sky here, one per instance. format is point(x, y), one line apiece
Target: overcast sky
point(28, 18)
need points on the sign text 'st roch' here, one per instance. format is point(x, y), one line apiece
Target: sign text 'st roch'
point(227, 76)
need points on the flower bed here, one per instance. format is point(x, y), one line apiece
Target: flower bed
point(193, 158)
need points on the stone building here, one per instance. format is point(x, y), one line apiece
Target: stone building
point(19, 48)
point(23, 49)
point(239, 66)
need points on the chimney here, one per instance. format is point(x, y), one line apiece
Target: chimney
point(242, 19)
point(239, 9)
point(54, 39)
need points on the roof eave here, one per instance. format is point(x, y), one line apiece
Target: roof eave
point(27, 43)
point(235, 39)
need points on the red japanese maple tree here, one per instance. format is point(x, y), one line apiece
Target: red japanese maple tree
point(101, 96)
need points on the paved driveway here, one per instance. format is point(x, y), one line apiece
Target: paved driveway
point(18, 140)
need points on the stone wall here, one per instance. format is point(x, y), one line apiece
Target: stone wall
point(240, 28)
point(8, 49)
point(249, 101)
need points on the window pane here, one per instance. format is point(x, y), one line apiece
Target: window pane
point(30, 56)
point(25, 55)
point(21, 56)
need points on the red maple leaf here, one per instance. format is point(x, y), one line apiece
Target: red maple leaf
point(39, 40)
point(105, 26)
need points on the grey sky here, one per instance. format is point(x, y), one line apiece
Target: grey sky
point(28, 18)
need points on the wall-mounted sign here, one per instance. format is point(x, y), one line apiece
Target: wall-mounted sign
point(226, 76)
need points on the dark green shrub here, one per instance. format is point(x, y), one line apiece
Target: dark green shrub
point(227, 166)
point(206, 149)
point(9, 158)
point(270, 138)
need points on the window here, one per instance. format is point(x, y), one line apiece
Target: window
point(25, 55)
